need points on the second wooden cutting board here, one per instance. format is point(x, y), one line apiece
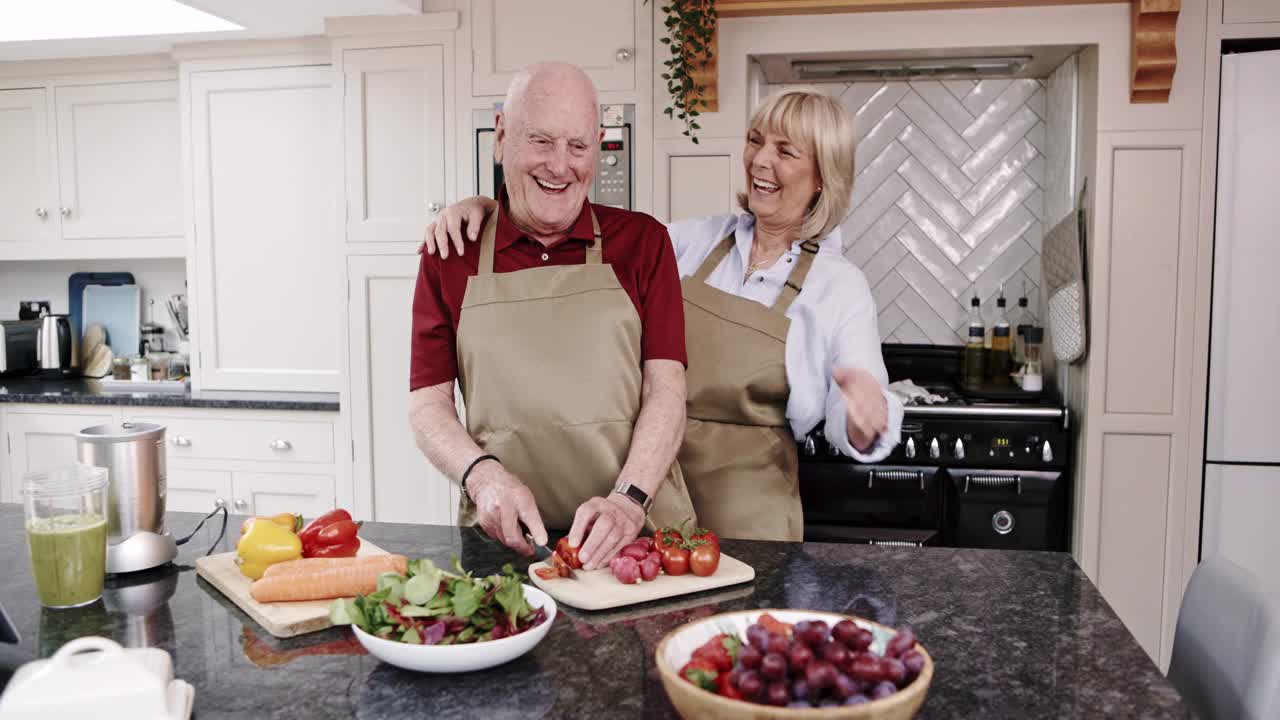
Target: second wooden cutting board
point(599, 589)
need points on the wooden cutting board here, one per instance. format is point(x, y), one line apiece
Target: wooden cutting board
point(599, 589)
point(283, 619)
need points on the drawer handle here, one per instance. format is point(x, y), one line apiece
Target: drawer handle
point(181, 441)
point(993, 481)
point(281, 445)
point(220, 503)
point(241, 504)
point(908, 475)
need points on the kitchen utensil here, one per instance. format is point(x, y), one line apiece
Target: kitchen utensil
point(541, 552)
point(95, 677)
point(463, 658)
point(33, 309)
point(76, 284)
point(118, 309)
point(94, 335)
point(134, 457)
point(599, 589)
point(18, 343)
point(55, 346)
point(98, 363)
point(285, 619)
point(177, 305)
point(691, 701)
point(66, 524)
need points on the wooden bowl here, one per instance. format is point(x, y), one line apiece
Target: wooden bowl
point(694, 703)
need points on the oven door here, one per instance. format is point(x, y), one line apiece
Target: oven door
point(1006, 509)
point(840, 496)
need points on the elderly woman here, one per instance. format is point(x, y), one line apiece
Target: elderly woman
point(780, 328)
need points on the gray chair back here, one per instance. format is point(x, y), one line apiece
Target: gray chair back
point(1226, 651)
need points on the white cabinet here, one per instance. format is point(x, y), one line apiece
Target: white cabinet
point(91, 171)
point(196, 490)
point(1250, 11)
point(265, 266)
point(41, 441)
point(119, 161)
point(403, 484)
point(394, 108)
point(1239, 507)
point(598, 36)
point(28, 191)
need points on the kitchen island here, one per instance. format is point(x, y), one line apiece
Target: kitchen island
point(1014, 634)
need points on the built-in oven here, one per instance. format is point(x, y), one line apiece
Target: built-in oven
point(614, 178)
point(872, 504)
point(1006, 509)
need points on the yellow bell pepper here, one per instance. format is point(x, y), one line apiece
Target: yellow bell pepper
point(264, 544)
point(288, 521)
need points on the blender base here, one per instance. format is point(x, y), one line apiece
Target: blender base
point(141, 551)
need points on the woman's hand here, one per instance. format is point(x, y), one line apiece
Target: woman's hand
point(602, 526)
point(867, 409)
point(449, 222)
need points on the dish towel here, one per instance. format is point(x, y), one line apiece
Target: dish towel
point(912, 394)
point(1062, 266)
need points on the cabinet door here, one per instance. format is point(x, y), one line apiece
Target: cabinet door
point(1250, 11)
point(1239, 505)
point(598, 36)
point(403, 484)
point(119, 161)
point(394, 108)
point(28, 195)
point(267, 292)
point(200, 491)
point(40, 442)
point(271, 493)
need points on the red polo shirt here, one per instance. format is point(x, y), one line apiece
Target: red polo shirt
point(635, 245)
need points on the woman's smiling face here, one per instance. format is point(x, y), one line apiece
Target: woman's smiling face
point(782, 178)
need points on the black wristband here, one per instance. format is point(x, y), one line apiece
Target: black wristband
point(467, 473)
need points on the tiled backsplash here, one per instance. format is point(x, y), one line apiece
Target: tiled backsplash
point(949, 198)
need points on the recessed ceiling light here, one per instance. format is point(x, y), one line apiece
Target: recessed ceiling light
point(69, 19)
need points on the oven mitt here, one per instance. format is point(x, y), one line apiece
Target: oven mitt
point(1062, 267)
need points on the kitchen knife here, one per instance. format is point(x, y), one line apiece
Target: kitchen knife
point(541, 552)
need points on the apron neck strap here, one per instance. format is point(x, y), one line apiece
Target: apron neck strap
point(713, 260)
point(488, 240)
point(795, 281)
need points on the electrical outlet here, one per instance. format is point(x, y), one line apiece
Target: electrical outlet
point(32, 309)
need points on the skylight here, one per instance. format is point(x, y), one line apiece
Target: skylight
point(24, 20)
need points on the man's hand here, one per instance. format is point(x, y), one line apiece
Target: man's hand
point(501, 501)
point(449, 222)
point(868, 411)
point(608, 523)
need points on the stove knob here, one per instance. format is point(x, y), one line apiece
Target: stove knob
point(809, 448)
point(935, 451)
point(910, 450)
point(1046, 452)
point(959, 449)
point(832, 450)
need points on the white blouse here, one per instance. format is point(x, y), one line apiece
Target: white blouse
point(833, 322)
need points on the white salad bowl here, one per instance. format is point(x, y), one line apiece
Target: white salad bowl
point(462, 658)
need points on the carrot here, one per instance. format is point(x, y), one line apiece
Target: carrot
point(390, 563)
point(324, 583)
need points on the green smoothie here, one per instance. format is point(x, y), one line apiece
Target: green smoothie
point(68, 558)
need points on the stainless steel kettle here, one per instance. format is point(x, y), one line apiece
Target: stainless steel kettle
point(133, 454)
point(55, 347)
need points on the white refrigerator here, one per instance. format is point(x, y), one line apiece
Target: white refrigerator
point(1242, 431)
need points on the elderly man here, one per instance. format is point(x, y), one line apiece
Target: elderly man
point(565, 332)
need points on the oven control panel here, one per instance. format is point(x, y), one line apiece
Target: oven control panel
point(1036, 448)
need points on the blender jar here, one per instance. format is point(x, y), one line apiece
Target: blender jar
point(66, 524)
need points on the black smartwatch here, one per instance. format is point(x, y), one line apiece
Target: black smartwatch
point(634, 494)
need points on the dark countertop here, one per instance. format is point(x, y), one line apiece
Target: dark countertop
point(1014, 635)
point(82, 391)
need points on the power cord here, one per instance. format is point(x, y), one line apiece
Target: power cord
point(221, 532)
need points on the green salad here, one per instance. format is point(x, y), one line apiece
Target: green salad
point(431, 606)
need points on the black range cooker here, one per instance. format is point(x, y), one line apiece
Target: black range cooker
point(986, 469)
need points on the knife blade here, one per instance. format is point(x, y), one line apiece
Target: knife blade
point(542, 552)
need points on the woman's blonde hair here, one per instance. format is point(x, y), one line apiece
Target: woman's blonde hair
point(820, 126)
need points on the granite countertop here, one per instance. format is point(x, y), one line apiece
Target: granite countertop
point(83, 391)
point(1014, 635)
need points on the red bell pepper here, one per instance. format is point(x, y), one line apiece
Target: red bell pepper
point(333, 535)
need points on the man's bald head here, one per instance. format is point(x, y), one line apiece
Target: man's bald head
point(555, 82)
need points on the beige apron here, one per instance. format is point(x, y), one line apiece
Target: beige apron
point(550, 370)
point(739, 455)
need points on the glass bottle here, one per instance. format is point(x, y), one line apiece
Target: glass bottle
point(1017, 322)
point(974, 358)
point(1001, 346)
point(1032, 371)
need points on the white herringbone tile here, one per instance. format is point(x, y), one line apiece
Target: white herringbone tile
point(1035, 203)
point(877, 170)
point(855, 95)
point(934, 260)
point(943, 102)
point(1008, 202)
point(933, 226)
point(888, 288)
point(1005, 266)
point(927, 186)
point(938, 164)
point(1036, 168)
point(860, 249)
point(889, 320)
point(944, 304)
point(959, 88)
point(924, 117)
point(1021, 156)
point(1035, 237)
point(881, 199)
point(997, 114)
point(883, 262)
point(1008, 229)
point(909, 332)
point(884, 99)
point(983, 93)
point(926, 318)
point(985, 157)
point(881, 135)
point(1036, 136)
point(1037, 102)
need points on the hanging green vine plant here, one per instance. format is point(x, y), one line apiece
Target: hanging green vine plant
point(690, 24)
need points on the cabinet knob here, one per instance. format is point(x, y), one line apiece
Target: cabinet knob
point(241, 504)
point(959, 449)
point(623, 55)
point(42, 213)
point(220, 503)
point(434, 208)
point(181, 441)
point(279, 444)
point(66, 211)
point(910, 449)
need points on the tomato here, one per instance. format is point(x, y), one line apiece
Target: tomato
point(704, 559)
point(569, 553)
point(675, 559)
point(720, 651)
point(313, 528)
point(726, 688)
point(704, 535)
point(700, 672)
point(546, 573)
point(667, 537)
point(341, 550)
point(775, 625)
point(342, 531)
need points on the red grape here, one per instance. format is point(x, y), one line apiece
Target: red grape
point(800, 628)
point(883, 690)
point(836, 653)
point(799, 657)
point(844, 632)
point(856, 700)
point(758, 637)
point(893, 670)
point(751, 684)
point(865, 667)
point(820, 674)
point(844, 686)
point(778, 693)
point(913, 663)
point(750, 656)
point(902, 642)
point(862, 640)
point(777, 644)
point(800, 690)
point(773, 666)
